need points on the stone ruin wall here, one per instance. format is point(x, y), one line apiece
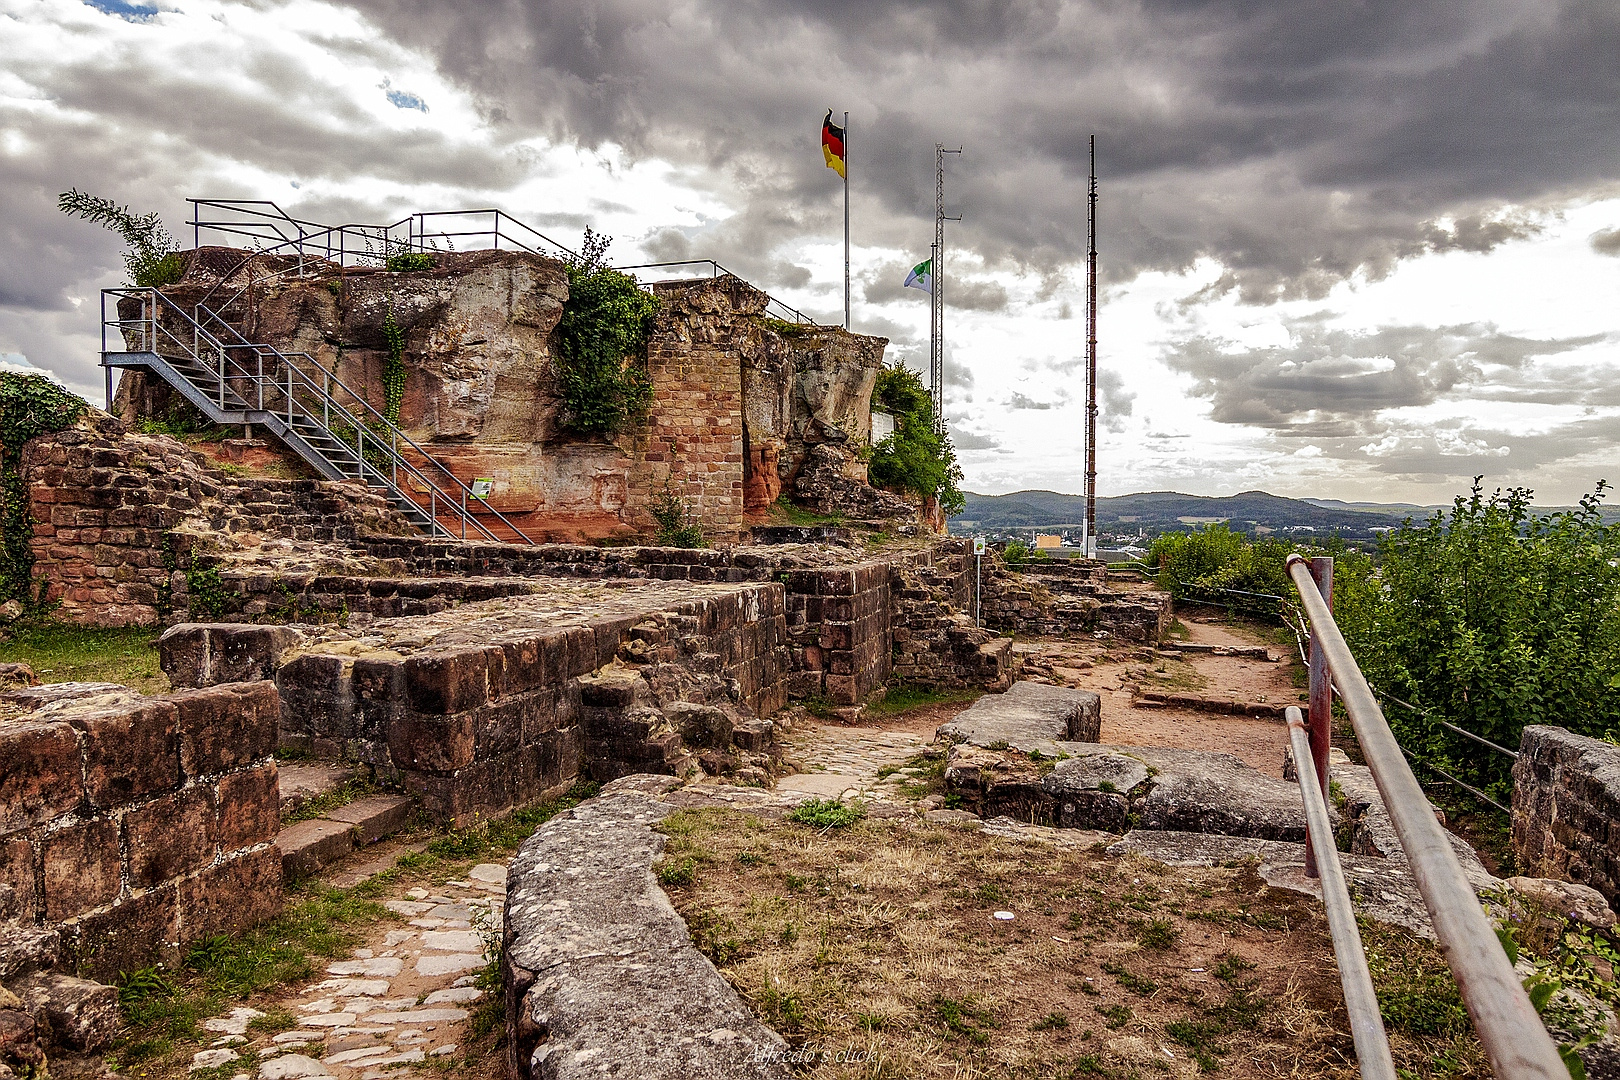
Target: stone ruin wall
point(739, 400)
point(132, 825)
point(1566, 809)
point(1068, 597)
point(121, 517)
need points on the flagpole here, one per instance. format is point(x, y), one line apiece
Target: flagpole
point(846, 219)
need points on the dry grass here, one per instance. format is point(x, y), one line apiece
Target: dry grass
point(877, 941)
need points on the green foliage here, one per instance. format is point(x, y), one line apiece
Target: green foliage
point(206, 592)
point(1491, 618)
point(152, 258)
point(1199, 565)
point(1017, 553)
point(916, 458)
point(60, 653)
point(393, 372)
point(675, 527)
point(405, 261)
point(827, 814)
point(602, 344)
point(30, 406)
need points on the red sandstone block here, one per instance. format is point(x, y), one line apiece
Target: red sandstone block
point(39, 772)
point(226, 727)
point(17, 885)
point(81, 868)
point(234, 896)
point(249, 807)
point(130, 752)
point(170, 836)
point(431, 743)
point(451, 681)
point(138, 932)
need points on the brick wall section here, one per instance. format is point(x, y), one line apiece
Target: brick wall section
point(136, 825)
point(1058, 598)
point(838, 625)
point(935, 642)
point(1566, 809)
point(117, 515)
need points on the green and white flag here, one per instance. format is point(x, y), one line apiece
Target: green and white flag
point(921, 276)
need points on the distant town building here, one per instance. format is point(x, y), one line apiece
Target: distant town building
point(1048, 540)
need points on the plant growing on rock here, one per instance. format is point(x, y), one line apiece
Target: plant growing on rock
point(916, 458)
point(601, 356)
point(152, 258)
point(30, 405)
point(675, 527)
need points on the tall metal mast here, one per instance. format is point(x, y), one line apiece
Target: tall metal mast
point(936, 329)
point(1091, 360)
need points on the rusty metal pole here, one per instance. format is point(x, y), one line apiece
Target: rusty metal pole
point(1320, 723)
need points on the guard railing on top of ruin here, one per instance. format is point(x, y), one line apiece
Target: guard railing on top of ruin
point(267, 229)
point(1509, 1029)
point(342, 436)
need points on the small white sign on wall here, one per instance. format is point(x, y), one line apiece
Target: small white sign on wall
point(882, 427)
point(482, 486)
point(978, 545)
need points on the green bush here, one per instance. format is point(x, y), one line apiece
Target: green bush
point(827, 814)
point(675, 527)
point(1205, 563)
point(602, 344)
point(406, 261)
point(1492, 618)
point(916, 458)
point(1017, 553)
point(30, 405)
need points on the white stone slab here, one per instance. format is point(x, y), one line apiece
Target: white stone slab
point(447, 963)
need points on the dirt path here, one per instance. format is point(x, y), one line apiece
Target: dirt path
point(845, 760)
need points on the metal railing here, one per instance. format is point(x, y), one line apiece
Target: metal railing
point(271, 231)
point(235, 381)
point(1512, 1034)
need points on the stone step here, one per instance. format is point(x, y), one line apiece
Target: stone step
point(1155, 699)
point(307, 846)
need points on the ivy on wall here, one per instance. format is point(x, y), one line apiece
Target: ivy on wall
point(393, 373)
point(602, 344)
point(30, 406)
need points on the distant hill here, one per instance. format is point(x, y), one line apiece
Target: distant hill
point(1162, 511)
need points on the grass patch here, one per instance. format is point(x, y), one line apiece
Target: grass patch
point(61, 653)
point(878, 936)
point(827, 814)
point(905, 697)
point(784, 512)
point(342, 795)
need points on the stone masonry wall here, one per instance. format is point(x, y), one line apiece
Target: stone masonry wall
point(838, 624)
point(500, 703)
point(119, 514)
point(135, 825)
point(1566, 809)
point(935, 641)
point(1057, 598)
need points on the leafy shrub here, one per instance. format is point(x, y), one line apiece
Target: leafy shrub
point(1214, 562)
point(393, 372)
point(1017, 553)
point(602, 344)
point(406, 261)
point(152, 258)
point(916, 458)
point(1493, 619)
point(675, 527)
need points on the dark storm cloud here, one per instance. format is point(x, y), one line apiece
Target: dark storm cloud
point(1328, 383)
point(1606, 241)
point(967, 440)
point(1296, 143)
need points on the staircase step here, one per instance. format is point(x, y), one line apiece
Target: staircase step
point(309, 845)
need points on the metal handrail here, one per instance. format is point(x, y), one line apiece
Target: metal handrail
point(1360, 999)
point(230, 373)
point(330, 242)
point(1512, 1034)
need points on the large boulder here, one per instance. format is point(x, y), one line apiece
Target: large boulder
point(1028, 717)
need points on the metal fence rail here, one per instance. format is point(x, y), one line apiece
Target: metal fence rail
point(1512, 1034)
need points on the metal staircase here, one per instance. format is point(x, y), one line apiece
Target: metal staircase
point(234, 381)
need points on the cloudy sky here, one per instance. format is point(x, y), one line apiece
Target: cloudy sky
point(1349, 250)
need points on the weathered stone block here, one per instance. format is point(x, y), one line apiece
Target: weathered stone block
point(450, 681)
point(130, 752)
point(431, 743)
point(236, 895)
point(170, 836)
point(82, 868)
point(18, 886)
point(80, 1014)
point(249, 807)
point(315, 696)
point(39, 772)
point(140, 930)
point(306, 846)
point(226, 727)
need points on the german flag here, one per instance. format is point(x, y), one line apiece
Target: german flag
point(832, 144)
